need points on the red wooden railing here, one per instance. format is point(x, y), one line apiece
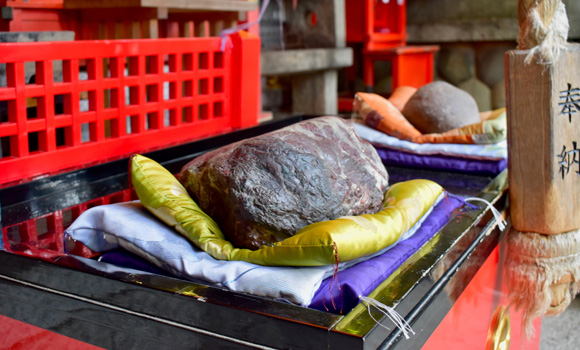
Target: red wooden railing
point(120, 97)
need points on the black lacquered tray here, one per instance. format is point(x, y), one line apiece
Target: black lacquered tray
point(103, 305)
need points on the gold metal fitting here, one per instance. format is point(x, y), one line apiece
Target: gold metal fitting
point(498, 335)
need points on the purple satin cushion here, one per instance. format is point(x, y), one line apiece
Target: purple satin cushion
point(440, 162)
point(364, 277)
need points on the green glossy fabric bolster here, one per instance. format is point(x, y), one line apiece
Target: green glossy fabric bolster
point(322, 243)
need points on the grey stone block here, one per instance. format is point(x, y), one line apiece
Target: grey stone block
point(456, 63)
point(498, 95)
point(22, 37)
point(480, 92)
point(493, 29)
point(490, 61)
point(312, 24)
point(459, 20)
point(573, 11)
point(304, 61)
point(424, 11)
point(315, 93)
point(314, 76)
point(440, 21)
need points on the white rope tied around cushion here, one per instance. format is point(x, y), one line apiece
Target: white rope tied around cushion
point(543, 29)
point(393, 315)
point(501, 223)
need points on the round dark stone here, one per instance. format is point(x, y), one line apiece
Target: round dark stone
point(439, 107)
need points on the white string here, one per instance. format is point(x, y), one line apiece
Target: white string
point(246, 25)
point(281, 23)
point(501, 223)
point(393, 315)
point(229, 31)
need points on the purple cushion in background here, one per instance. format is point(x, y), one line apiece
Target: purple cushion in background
point(440, 162)
point(363, 278)
point(123, 258)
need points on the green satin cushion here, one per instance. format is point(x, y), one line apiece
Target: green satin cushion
point(323, 243)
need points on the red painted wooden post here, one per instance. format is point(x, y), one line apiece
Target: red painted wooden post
point(245, 79)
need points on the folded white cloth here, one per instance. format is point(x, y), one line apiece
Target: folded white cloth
point(494, 151)
point(131, 227)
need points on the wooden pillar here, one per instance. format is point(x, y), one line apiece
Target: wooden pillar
point(543, 104)
point(543, 107)
point(151, 29)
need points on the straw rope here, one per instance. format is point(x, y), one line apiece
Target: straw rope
point(543, 273)
point(543, 29)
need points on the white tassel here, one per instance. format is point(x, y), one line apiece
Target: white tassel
point(393, 315)
point(501, 223)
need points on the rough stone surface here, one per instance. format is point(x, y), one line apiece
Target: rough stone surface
point(480, 92)
point(315, 93)
point(460, 20)
point(498, 95)
point(306, 24)
point(441, 21)
point(456, 63)
point(313, 75)
point(490, 61)
point(561, 332)
point(439, 106)
point(291, 62)
point(424, 11)
point(573, 11)
point(264, 189)
point(493, 29)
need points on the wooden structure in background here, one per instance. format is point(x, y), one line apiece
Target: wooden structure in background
point(313, 62)
point(126, 19)
point(380, 30)
point(199, 5)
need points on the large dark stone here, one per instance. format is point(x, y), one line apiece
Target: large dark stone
point(266, 188)
point(439, 107)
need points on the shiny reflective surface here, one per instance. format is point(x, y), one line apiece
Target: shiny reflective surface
point(422, 289)
point(499, 335)
point(415, 284)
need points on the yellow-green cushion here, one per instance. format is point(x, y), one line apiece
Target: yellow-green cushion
point(322, 243)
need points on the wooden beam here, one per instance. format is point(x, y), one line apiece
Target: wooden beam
point(202, 16)
point(206, 5)
point(122, 14)
point(292, 62)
